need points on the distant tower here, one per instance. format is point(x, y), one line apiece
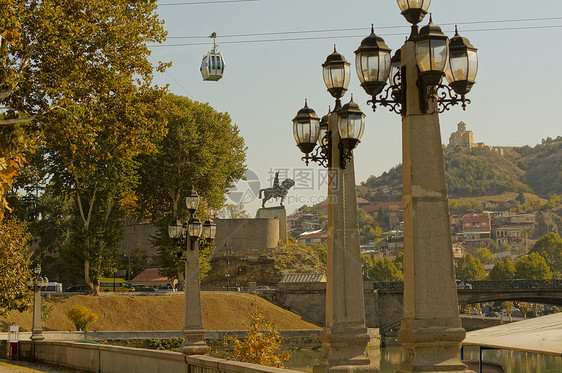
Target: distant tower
point(461, 137)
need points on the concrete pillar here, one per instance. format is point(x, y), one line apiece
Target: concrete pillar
point(431, 331)
point(37, 327)
point(345, 336)
point(193, 332)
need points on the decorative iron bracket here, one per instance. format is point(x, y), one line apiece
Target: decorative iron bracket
point(321, 153)
point(448, 97)
point(392, 96)
point(345, 155)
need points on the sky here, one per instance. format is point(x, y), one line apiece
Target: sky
point(268, 76)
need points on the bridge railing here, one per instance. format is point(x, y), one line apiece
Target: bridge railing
point(480, 285)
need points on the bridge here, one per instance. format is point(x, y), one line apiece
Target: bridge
point(384, 300)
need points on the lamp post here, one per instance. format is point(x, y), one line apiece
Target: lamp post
point(37, 327)
point(187, 236)
point(330, 142)
point(431, 331)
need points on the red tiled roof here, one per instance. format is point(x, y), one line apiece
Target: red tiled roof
point(149, 274)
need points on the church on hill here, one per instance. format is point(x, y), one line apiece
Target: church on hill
point(465, 139)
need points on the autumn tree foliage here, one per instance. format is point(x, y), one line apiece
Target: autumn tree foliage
point(15, 267)
point(261, 346)
point(76, 84)
point(503, 270)
point(532, 267)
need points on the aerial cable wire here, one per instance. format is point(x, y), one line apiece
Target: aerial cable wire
point(347, 36)
point(207, 2)
point(366, 28)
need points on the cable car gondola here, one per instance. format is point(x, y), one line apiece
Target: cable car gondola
point(212, 66)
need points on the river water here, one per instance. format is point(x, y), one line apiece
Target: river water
point(388, 358)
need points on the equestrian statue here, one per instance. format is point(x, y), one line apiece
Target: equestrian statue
point(277, 190)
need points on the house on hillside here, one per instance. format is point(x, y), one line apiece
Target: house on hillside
point(476, 230)
point(318, 236)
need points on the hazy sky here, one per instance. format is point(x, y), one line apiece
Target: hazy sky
point(515, 100)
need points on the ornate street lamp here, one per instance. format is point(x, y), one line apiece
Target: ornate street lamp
point(186, 236)
point(432, 53)
point(336, 75)
point(373, 63)
point(37, 327)
point(306, 129)
point(414, 10)
point(462, 66)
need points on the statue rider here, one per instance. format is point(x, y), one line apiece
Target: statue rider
point(276, 181)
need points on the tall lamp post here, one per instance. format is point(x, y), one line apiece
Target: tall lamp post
point(37, 327)
point(431, 331)
point(330, 142)
point(186, 236)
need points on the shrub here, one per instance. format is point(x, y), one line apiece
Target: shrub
point(81, 317)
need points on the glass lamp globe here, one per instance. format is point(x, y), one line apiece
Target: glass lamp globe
point(462, 66)
point(209, 229)
point(372, 63)
point(351, 124)
point(306, 129)
point(414, 10)
point(336, 74)
point(192, 201)
point(432, 53)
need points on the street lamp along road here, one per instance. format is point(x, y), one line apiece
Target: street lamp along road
point(186, 236)
point(37, 327)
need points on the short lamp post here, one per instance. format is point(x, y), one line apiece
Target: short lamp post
point(37, 327)
point(186, 236)
point(431, 331)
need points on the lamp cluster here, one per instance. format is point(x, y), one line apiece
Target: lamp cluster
point(436, 57)
point(192, 229)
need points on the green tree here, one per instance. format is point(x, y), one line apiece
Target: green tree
point(550, 248)
point(202, 150)
point(470, 269)
point(15, 267)
point(503, 270)
point(384, 270)
point(532, 267)
point(484, 255)
point(399, 262)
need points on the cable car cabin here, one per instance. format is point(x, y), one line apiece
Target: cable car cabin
point(212, 66)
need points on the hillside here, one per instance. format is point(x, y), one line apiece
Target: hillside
point(483, 172)
point(220, 311)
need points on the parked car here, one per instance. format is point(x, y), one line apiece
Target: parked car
point(263, 288)
point(76, 288)
point(463, 285)
point(144, 288)
point(492, 314)
point(474, 311)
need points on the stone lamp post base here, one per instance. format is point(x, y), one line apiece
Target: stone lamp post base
point(344, 351)
point(193, 343)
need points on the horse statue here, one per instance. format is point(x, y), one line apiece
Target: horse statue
point(277, 191)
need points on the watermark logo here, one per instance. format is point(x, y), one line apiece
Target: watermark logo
point(245, 191)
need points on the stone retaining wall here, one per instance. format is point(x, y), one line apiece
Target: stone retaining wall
point(116, 359)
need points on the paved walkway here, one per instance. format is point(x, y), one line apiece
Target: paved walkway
point(27, 367)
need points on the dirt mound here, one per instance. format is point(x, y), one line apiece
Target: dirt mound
point(220, 310)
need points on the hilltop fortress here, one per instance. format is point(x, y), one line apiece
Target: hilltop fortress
point(463, 138)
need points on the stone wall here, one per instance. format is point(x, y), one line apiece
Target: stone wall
point(250, 237)
point(116, 359)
